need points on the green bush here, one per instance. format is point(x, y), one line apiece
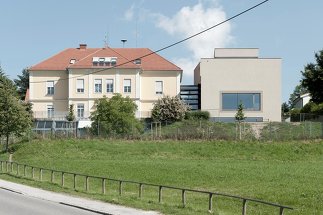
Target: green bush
point(197, 115)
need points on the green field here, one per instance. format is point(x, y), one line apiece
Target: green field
point(287, 173)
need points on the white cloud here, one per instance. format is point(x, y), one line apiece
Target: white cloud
point(191, 20)
point(129, 14)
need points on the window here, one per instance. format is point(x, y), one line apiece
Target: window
point(72, 61)
point(127, 86)
point(50, 87)
point(80, 85)
point(109, 83)
point(159, 87)
point(50, 111)
point(250, 101)
point(80, 110)
point(97, 85)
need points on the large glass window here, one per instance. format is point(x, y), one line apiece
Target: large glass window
point(109, 85)
point(50, 87)
point(250, 101)
point(80, 85)
point(127, 86)
point(97, 85)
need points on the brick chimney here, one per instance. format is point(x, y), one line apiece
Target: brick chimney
point(83, 46)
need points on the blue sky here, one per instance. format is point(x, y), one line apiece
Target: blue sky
point(34, 30)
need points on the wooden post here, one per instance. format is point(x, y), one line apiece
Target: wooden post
point(40, 174)
point(140, 190)
point(24, 170)
point(7, 166)
point(160, 193)
point(87, 183)
point(32, 172)
point(183, 198)
point(1, 166)
point(120, 188)
point(210, 201)
point(281, 211)
point(74, 181)
point(244, 207)
point(103, 185)
point(11, 165)
point(17, 169)
point(63, 176)
point(52, 176)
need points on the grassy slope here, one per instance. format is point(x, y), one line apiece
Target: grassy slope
point(286, 173)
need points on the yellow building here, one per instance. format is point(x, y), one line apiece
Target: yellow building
point(81, 75)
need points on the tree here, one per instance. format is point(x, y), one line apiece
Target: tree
point(115, 116)
point(285, 110)
point(70, 116)
point(240, 117)
point(169, 109)
point(22, 83)
point(299, 90)
point(313, 78)
point(14, 118)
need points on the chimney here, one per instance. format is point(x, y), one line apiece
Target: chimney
point(83, 46)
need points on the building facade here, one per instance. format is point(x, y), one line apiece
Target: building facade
point(235, 76)
point(81, 75)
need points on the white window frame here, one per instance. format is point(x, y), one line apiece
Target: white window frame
point(108, 83)
point(50, 90)
point(80, 86)
point(80, 110)
point(127, 88)
point(50, 111)
point(159, 88)
point(99, 85)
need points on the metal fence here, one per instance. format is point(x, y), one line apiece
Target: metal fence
point(29, 171)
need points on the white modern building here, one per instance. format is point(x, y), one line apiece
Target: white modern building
point(235, 76)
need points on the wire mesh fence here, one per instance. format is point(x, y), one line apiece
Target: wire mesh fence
point(307, 127)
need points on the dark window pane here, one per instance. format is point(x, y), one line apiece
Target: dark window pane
point(229, 101)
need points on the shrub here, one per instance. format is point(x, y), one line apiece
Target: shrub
point(169, 109)
point(197, 115)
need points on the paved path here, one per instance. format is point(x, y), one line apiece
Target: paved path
point(54, 199)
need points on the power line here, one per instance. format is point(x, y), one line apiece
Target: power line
point(166, 47)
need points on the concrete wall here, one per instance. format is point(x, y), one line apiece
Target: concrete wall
point(241, 75)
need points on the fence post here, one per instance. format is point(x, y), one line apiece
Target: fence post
point(40, 174)
point(140, 190)
point(24, 170)
point(103, 185)
point(63, 174)
point(244, 207)
point(281, 211)
point(52, 176)
point(17, 169)
point(183, 198)
point(87, 183)
point(32, 172)
point(120, 188)
point(160, 193)
point(1, 166)
point(74, 181)
point(11, 167)
point(210, 201)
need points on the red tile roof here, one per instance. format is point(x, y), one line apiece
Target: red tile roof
point(83, 57)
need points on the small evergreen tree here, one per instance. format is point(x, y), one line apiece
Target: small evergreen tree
point(240, 117)
point(169, 109)
point(22, 83)
point(70, 116)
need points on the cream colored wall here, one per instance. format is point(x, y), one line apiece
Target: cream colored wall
point(241, 75)
point(148, 82)
point(38, 90)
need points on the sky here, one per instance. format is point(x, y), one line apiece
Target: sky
point(34, 30)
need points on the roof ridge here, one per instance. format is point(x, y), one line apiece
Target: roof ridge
point(98, 49)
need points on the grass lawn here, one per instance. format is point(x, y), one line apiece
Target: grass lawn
point(287, 173)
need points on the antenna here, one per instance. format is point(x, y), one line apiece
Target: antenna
point(136, 33)
point(123, 41)
point(105, 41)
